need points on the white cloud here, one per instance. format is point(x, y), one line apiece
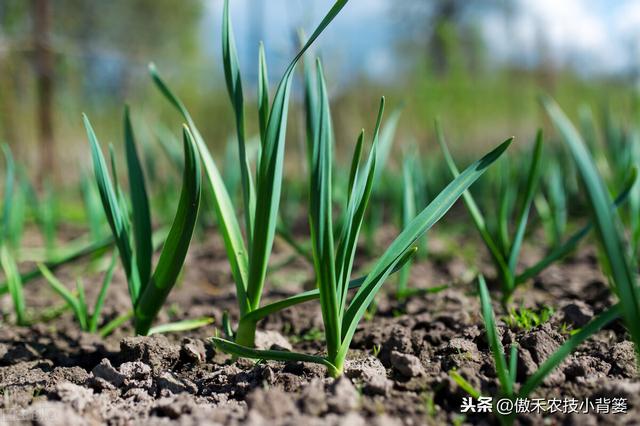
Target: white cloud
point(590, 35)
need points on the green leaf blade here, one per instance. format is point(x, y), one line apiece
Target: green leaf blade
point(418, 226)
point(532, 185)
point(175, 247)
point(140, 205)
point(606, 220)
point(497, 349)
point(112, 208)
point(229, 226)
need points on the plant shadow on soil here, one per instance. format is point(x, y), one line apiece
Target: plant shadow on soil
point(397, 372)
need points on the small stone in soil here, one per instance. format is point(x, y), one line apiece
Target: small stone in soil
point(108, 373)
point(155, 350)
point(623, 358)
point(169, 384)
point(313, 400)
point(76, 396)
point(343, 396)
point(269, 338)
point(371, 372)
point(272, 403)
point(192, 351)
point(576, 313)
point(405, 364)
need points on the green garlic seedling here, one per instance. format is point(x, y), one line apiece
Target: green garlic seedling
point(526, 319)
point(408, 212)
point(15, 196)
point(132, 233)
point(412, 194)
point(504, 251)
point(552, 206)
point(92, 248)
point(619, 266)
point(261, 195)
point(7, 260)
point(333, 262)
point(92, 207)
point(506, 371)
point(88, 321)
point(621, 152)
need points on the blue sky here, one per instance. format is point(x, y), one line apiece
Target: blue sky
point(594, 36)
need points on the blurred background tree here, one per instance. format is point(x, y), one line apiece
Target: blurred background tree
point(60, 57)
point(461, 60)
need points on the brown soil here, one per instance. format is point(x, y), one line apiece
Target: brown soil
point(51, 374)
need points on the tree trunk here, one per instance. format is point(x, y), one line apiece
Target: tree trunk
point(43, 57)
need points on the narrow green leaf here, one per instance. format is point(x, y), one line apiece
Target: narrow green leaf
point(82, 304)
point(66, 294)
point(472, 207)
point(180, 326)
point(310, 99)
point(112, 208)
point(263, 93)
point(109, 328)
point(411, 292)
point(9, 180)
point(414, 230)
point(507, 196)
point(355, 163)
point(387, 136)
point(408, 213)
point(572, 242)
point(18, 215)
point(244, 352)
point(355, 212)
point(106, 282)
point(14, 284)
point(607, 222)
point(139, 204)
point(464, 384)
point(513, 363)
point(234, 87)
point(175, 247)
point(532, 186)
point(89, 249)
point(558, 200)
point(321, 220)
point(228, 223)
point(494, 339)
point(269, 177)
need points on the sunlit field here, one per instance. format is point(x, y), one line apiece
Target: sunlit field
point(340, 212)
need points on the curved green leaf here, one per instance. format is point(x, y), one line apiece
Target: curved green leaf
point(9, 179)
point(532, 185)
point(118, 221)
point(606, 220)
point(229, 227)
point(245, 352)
point(14, 284)
point(418, 226)
point(493, 338)
point(234, 87)
point(269, 177)
point(175, 247)
point(139, 205)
